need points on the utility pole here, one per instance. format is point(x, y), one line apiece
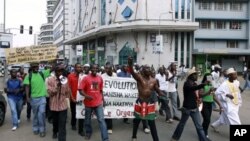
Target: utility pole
point(4, 15)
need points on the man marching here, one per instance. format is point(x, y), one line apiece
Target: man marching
point(145, 106)
point(229, 95)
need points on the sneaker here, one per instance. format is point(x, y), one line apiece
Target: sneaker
point(134, 139)
point(169, 120)
point(42, 134)
point(110, 131)
point(208, 139)
point(146, 130)
point(14, 128)
point(35, 132)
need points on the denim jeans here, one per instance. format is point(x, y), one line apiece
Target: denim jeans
point(16, 106)
point(100, 117)
point(195, 115)
point(39, 119)
point(164, 105)
point(173, 99)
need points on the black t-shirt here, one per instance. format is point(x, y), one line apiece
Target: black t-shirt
point(189, 94)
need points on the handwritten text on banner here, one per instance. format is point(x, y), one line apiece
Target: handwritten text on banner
point(30, 54)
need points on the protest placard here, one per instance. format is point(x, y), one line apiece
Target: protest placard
point(120, 95)
point(30, 54)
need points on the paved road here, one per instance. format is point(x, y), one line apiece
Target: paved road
point(121, 132)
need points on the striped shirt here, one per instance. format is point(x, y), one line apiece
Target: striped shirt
point(57, 100)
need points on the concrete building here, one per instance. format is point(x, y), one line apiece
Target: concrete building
point(46, 30)
point(112, 30)
point(223, 36)
point(61, 30)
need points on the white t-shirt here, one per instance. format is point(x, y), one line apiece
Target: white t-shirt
point(216, 79)
point(171, 84)
point(162, 81)
point(106, 75)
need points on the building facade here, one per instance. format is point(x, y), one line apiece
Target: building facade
point(112, 30)
point(61, 30)
point(46, 30)
point(223, 36)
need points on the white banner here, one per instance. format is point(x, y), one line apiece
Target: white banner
point(120, 95)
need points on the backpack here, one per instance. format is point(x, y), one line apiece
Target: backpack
point(30, 77)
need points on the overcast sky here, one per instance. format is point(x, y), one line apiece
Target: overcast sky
point(23, 12)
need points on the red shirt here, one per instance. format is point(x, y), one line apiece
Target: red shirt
point(73, 84)
point(92, 86)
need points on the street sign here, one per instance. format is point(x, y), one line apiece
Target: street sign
point(159, 43)
point(79, 50)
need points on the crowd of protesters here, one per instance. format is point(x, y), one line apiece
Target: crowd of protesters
point(49, 97)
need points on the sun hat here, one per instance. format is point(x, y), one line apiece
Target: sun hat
point(230, 70)
point(191, 71)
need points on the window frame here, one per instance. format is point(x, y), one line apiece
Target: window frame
point(223, 25)
point(232, 44)
point(235, 25)
point(233, 6)
point(205, 6)
point(207, 26)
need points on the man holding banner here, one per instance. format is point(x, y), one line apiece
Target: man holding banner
point(109, 73)
point(145, 105)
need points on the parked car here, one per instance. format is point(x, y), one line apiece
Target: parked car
point(3, 107)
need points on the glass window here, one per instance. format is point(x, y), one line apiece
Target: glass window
point(188, 9)
point(176, 8)
point(205, 24)
point(176, 47)
point(182, 9)
point(205, 6)
point(220, 6)
point(220, 25)
point(188, 50)
point(232, 44)
point(182, 47)
point(235, 6)
point(235, 25)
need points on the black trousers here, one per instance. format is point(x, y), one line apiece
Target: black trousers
point(59, 124)
point(73, 117)
point(206, 114)
point(28, 110)
point(48, 111)
point(109, 124)
point(152, 126)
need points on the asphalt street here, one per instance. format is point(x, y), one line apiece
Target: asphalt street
point(121, 131)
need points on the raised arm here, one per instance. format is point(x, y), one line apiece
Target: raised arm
point(130, 66)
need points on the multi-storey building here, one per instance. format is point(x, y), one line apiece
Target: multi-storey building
point(223, 36)
point(46, 30)
point(112, 30)
point(61, 30)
